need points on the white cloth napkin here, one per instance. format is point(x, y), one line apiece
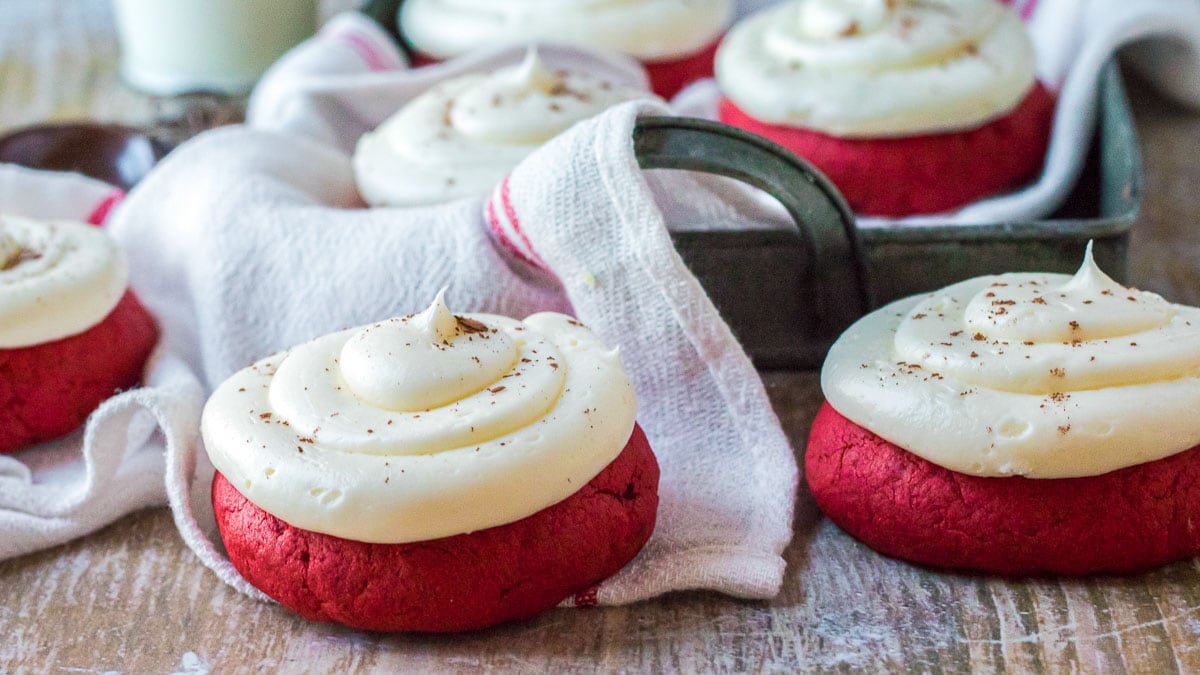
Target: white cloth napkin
point(60, 490)
point(1074, 39)
point(246, 241)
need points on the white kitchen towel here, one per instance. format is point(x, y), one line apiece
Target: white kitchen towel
point(1074, 40)
point(246, 241)
point(60, 490)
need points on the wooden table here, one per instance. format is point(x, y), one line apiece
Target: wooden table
point(132, 597)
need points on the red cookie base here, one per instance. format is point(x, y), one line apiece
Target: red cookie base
point(667, 78)
point(897, 177)
point(906, 507)
point(48, 390)
point(464, 582)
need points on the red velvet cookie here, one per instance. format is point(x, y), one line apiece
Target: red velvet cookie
point(906, 507)
point(48, 390)
point(667, 78)
point(464, 582)
point(928, 174)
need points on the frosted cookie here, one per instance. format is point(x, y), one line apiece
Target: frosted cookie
point(1016, 423)
point(908, 106)
point(71, 333)
point(435, 472)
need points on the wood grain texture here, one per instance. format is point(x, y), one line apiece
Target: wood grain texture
point(131, 598)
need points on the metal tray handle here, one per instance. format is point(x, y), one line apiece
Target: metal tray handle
point(824, 223)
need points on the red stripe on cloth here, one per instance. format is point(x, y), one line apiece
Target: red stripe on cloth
point(366, 49)
point(511, 214)
point(498, 231)
point(106, 205)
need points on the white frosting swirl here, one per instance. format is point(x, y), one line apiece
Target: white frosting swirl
point(57, 279)
point(878, 68)
point(1037, 375)
point(422, 427)
point(651, 30)
point(463, 137)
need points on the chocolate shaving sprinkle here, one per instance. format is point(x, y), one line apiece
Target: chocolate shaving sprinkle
point(979, 337)
point(1058, 372)
point(470, 325)
point(1038, 301)
point(22, 255)
point(496, 390)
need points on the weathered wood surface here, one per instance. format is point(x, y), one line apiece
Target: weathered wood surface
point(133, 599)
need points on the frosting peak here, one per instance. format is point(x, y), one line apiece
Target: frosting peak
point(832, 19)
point(532, 75)
point(425, 360)
point(462, 137)
point(1039, 375)
point(1090, 306)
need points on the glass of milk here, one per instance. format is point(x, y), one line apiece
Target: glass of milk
point(170, 47)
